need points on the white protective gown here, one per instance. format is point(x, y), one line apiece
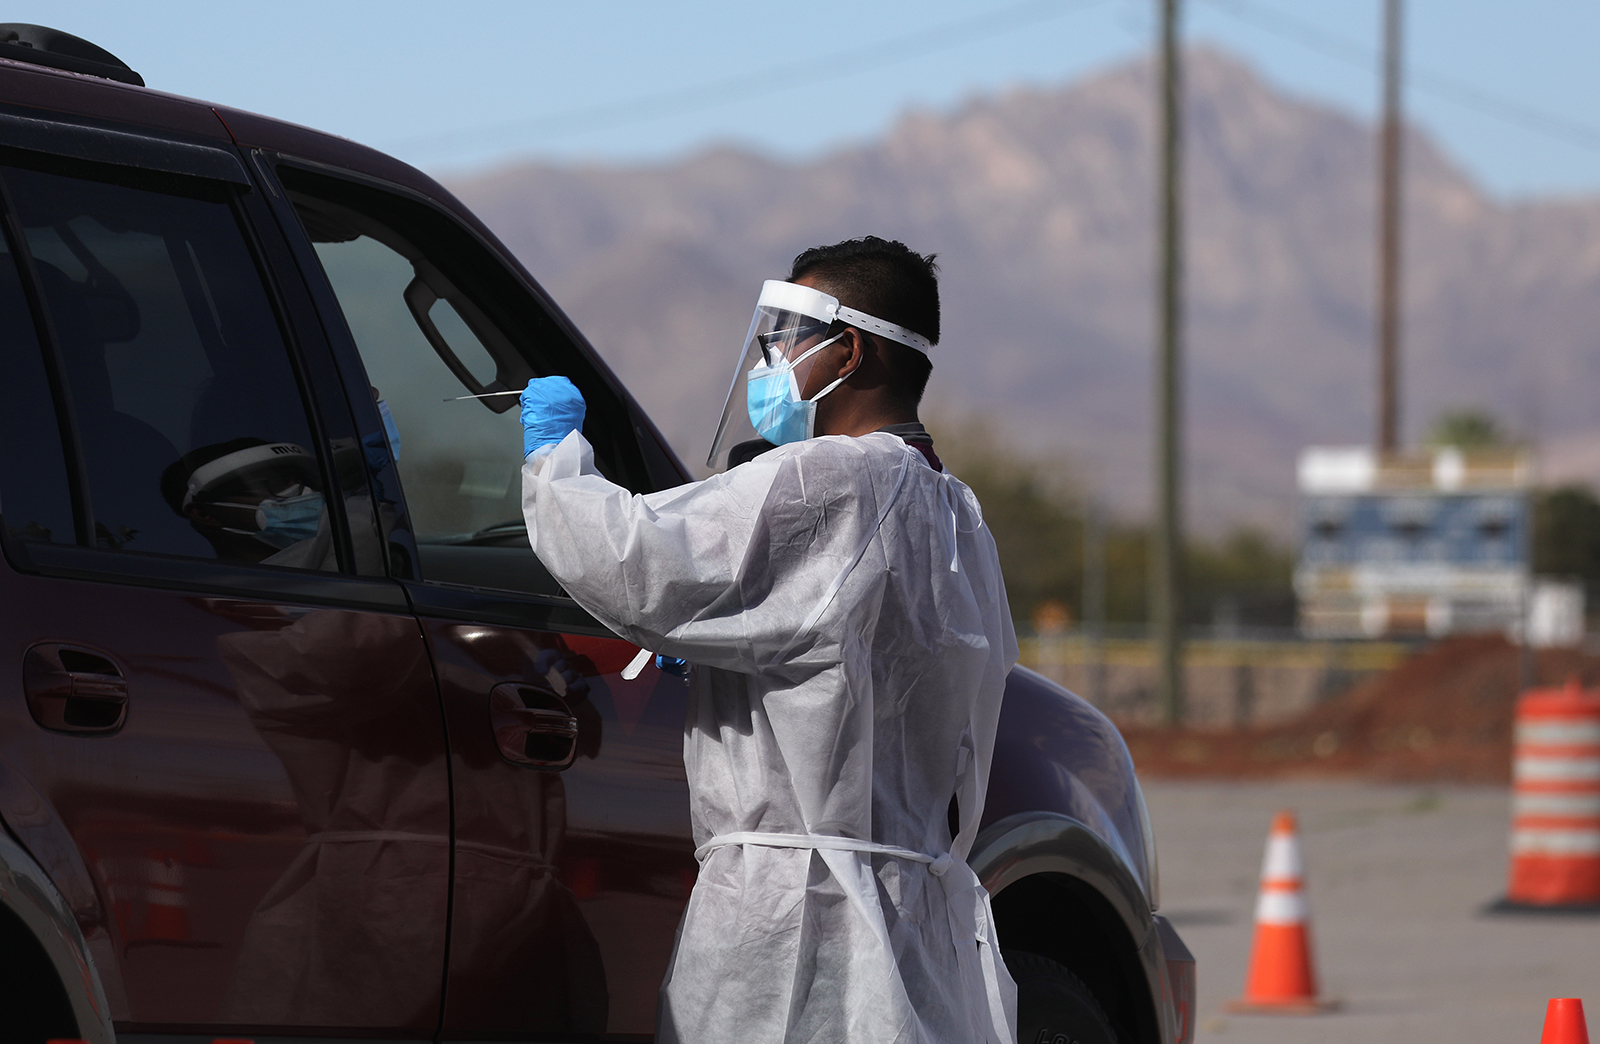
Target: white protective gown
point(846, 598)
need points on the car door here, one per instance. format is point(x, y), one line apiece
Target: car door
point(222, 741)
point(572, 851)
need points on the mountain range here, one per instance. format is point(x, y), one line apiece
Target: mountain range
point(1040, 205)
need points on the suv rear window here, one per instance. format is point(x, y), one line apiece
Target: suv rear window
point(193, 430)
point(36, 500)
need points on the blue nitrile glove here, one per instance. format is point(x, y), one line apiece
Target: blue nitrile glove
point(552, 408)
point(672, 665)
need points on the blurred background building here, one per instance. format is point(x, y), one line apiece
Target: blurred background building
point(1429, 543)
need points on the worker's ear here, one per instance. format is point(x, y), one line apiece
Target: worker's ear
point(854, 347)
point(842, 358)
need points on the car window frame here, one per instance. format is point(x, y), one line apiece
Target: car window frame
point(138, 157)
point(435, 597)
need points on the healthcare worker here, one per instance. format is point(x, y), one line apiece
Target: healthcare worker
point(841, 600)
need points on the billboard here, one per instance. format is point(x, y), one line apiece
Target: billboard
point(1428, 543)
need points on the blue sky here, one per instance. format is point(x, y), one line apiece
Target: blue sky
point(464, 85)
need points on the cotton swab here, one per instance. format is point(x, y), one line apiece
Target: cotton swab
point(485, 395)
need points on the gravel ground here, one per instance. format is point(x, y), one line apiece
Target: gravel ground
point(1397, 878)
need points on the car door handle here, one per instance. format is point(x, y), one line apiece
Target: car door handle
point(532, 727)
point(70, 689)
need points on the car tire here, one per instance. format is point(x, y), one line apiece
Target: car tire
point(1053, 1005)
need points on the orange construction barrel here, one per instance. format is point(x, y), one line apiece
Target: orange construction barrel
point(1555, 800)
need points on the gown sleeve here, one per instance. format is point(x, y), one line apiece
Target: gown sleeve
point(721, 572)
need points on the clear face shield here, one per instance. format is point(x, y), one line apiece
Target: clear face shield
point(791, 325)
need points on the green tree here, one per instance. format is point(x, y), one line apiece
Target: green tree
point(1467, 429)
point(1031, 507)
point(1248, 570)
point(1035, 509)
point(1566, 536)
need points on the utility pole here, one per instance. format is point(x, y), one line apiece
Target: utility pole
point(1094, 598)
point(1389, 217)
point(1166, 550)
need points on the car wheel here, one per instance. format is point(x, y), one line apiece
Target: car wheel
point(1053, 1005)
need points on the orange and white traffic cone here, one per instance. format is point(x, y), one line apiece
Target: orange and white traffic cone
point(1281, 979)
point(1555, 826)
point(1564, 1022)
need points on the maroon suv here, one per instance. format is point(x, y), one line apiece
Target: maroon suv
point(299, 739)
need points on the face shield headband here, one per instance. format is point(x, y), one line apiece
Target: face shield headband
point(267, 491)
point(788, 329)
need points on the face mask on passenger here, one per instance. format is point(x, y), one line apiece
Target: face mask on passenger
point(263, 490)
point(282, 521)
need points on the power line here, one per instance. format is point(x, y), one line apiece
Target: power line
point(771, 79)
point(1507, 110)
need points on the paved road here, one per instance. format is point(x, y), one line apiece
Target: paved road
point(1397, 877)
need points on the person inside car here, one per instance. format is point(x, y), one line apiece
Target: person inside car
point(253, 501)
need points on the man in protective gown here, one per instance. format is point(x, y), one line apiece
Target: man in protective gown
point(841, 600)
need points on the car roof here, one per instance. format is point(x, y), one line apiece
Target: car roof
point(85, 97)
point(69, 94)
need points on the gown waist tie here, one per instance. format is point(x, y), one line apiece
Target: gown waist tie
point(969, 911)
point(936, 864)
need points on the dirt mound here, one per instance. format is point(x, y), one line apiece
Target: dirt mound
point(1444, 714)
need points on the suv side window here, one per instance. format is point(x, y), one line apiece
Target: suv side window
point(192, 427)
point(435, 315)
point(34, 497)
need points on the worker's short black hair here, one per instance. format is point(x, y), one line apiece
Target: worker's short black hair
point(888, 280)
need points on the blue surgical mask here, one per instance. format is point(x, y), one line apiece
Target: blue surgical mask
point(390, 429)
point(288, 520)
point(772, 396)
